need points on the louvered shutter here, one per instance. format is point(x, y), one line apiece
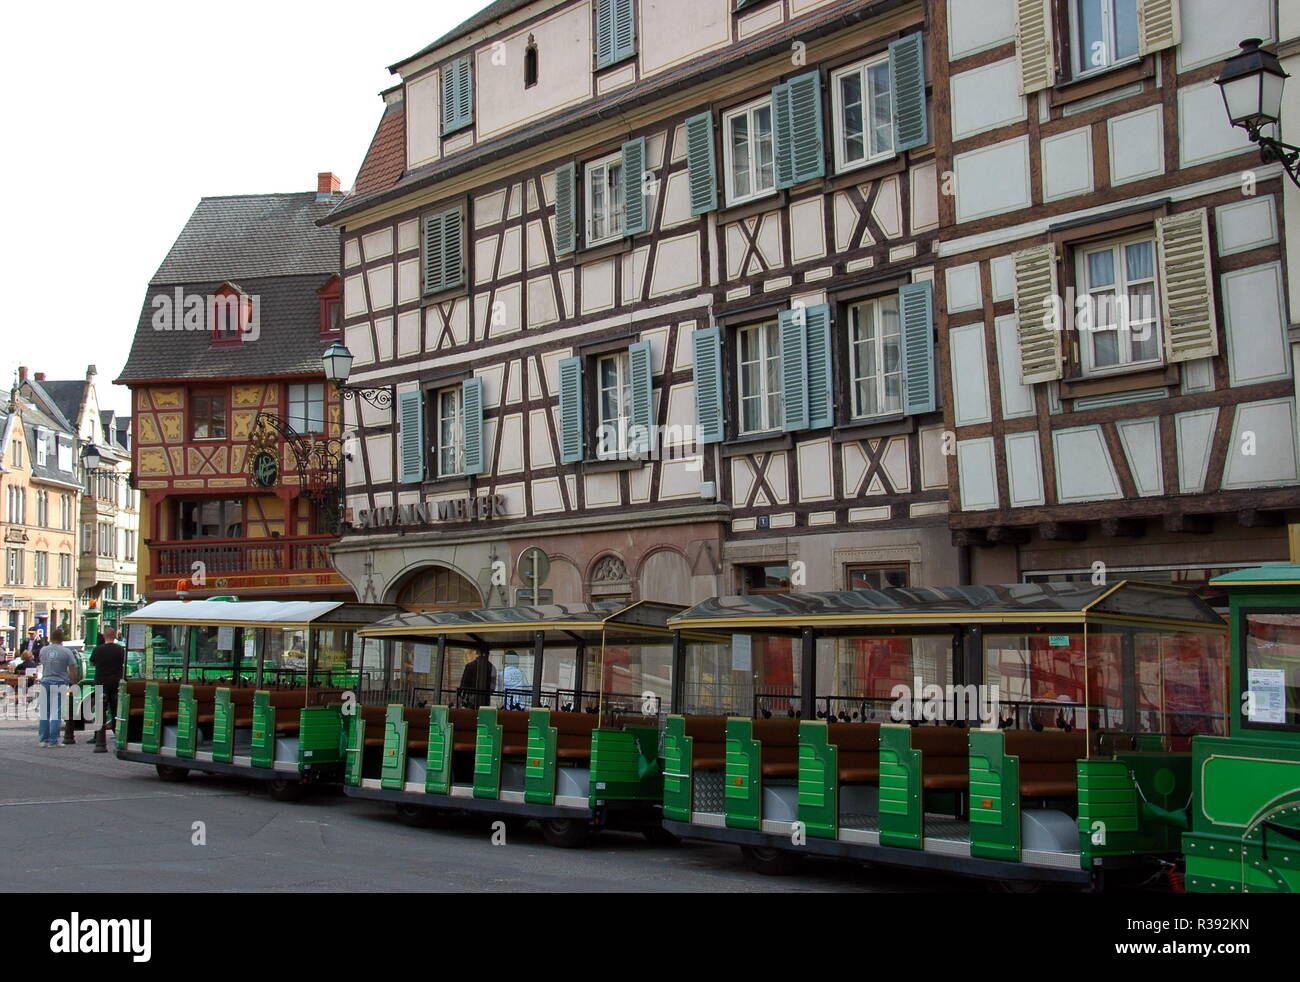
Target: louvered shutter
point(565, 209)
point(821, 403)
point(604, 32)
point(798, 135)
point(701, 163)
point(1159, 25)
point(641, 372)
point(794, 369)
point(571, 442)
point(453, 251)
point(707, 343)
point(1186, 286)
point(1036, 314)
point(433, 253)
point(1034, 45)
point(907, 89)
point(471, 404)
point(457, 95)
point(624, 29)
point(410, 415)
point(635, 207)
point(916, 314)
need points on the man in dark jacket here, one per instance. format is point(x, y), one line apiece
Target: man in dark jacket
point(109, 659)
point(34, 644)
point(477, 682)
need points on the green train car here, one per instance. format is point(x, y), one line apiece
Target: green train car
point(254, 689)
point(1244, 834)
point(549, 713)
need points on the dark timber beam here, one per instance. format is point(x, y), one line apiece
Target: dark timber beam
point(1005, 535)
point(1062, 531)
point(1253, 518)
point(1129, 528)
point(1192, 524)
point(970, 537)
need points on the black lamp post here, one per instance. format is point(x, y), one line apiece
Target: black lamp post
point(1251, 83)
point(337, 360)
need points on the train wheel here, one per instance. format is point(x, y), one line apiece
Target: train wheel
point(282, 790)
point(168, 773)
point(417, 816)
point(770, 862)
point(565, 833)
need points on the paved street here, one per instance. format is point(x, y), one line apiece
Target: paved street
point(89, 822)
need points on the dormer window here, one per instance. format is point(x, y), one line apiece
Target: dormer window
point(331, 308)
point(530, 63)
point(230, 315)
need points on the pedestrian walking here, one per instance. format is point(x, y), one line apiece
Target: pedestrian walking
point(109, 659)
point(58, 674)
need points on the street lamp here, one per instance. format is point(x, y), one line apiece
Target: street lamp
point(337, 360)
point(92, 457)
point(1251, 83)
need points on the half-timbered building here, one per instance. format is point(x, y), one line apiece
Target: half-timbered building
point(1116, 370)
point(654, 284)
point(237, 443)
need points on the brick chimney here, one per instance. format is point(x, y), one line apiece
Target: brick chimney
point(22, 374)
point(91, 372)
point(327, 185)
point(40, 376)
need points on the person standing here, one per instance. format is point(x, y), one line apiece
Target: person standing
point(477, 682)
point(514, 684)
point(58, 675)
point(109, 659)
point(34, 645)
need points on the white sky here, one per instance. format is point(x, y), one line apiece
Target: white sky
point(120, 117)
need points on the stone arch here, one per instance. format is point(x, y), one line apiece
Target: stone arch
point(665, 574)
point(435, 586)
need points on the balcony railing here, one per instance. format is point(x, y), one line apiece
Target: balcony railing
point(298, 554)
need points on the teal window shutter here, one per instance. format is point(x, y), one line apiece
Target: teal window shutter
point(794, 368)
point(641, 372)
point(708, 384)
point(457, 95)
point(565, 209)
point(615, 31)
point(571, 410)
point(701, 163)
point(821, 402)
point(444, 251)
point(471, 398)
point(907, 88)
point(916, 304)
point(635, 215)
point(782, 151)
point(798, 133)
point(453, 250)
point(410, 415)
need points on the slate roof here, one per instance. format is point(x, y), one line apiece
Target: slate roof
point(66, 396)
point(272, 247)
point(288, 341)
point(487, 15)
point(250, 236)
point(34, 418)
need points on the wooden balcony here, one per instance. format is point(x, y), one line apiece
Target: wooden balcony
point(241, 557)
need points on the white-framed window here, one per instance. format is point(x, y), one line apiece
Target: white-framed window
point(64, 451)
point(748, 152)
point(41, 570)
point(449, 428)
point(864, 113)
point(18, 452)
point(307, 407)
point(65, 570)
point(128, 592)
point(1119, 325)
point(758, 364)
point(614, 404)
point(42, 448)
point(603, 180)
point(876, 357)
point(1103, 33)
point(14, 567)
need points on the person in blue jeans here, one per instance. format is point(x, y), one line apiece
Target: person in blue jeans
point(58, 674)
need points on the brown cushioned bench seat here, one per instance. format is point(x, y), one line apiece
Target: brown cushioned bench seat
point(778, 741)
point(945, 757)
point(1047, 761)
point(708, 742)
point(573, 735)
point(417, 729)
point(857, 751)
point(514, 732)
point(464, 732)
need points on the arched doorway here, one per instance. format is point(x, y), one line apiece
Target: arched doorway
point(438, 588)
